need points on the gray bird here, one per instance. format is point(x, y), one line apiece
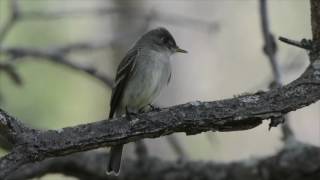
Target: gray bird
point(140, 77)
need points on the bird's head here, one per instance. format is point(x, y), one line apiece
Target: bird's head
point(161, 39)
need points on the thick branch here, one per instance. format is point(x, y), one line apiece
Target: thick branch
point(298, 162)
point(86, 165)
point(244, 112)
point(12, 161)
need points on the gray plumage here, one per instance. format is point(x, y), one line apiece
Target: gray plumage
point(140, 77)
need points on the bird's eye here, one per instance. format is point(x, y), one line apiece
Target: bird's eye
point(164, 40)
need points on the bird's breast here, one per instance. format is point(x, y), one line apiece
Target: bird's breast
point(151, 75)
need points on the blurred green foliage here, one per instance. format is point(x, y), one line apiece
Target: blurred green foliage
point(52, 96)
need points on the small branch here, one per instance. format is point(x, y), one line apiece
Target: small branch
point(12, 73)
point(241, 113)
point(270, 49)
point(304, 44)
point(287, 133)
point(270, 45)
point(13, 17)
point(56, 57)
point(85, 46)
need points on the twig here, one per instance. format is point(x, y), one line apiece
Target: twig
point(13, 17)
point(12, 73)
point(56, 57)
point(241, 113)
point(304, 44)
point(270, 45)
point(270, 49)
point(80, 46)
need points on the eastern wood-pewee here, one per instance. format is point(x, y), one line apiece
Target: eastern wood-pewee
point(141, 75)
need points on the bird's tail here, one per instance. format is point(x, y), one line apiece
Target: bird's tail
point(114, 165)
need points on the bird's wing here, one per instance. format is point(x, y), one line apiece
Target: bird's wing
point(124, 72)
point(169, 78)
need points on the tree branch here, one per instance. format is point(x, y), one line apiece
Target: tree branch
point(270, 46)
point(270, 49)
point(56, 57)
point(11, 129)
point(85, 165)
point(241, 113)
point(290, 163)
point(12, 161)
point(11, 21)
point(304, 44)
point(11, 72)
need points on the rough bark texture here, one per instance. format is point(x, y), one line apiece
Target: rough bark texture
point(289, 163)
point(238, 113)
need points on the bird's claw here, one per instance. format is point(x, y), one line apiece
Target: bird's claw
point(130, 114)
point(154, 108)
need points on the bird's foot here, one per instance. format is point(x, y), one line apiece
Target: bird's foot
point(130, 115)
point(154, 108)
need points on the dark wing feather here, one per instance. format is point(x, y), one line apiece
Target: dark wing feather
point(169, 79)
point(124, 72)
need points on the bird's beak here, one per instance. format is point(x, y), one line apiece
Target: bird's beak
point(181, 50)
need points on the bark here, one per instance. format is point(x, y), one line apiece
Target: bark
point(240, 113)
point(297, 161)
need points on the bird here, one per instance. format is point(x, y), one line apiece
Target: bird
point(141, 75)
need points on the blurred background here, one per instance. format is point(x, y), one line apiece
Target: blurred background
point(225, 59)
